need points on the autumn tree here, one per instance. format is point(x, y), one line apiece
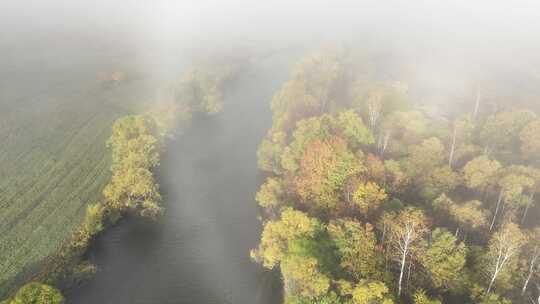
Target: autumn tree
point(307, 131)
point(271, 193)
point(504, 246)
point(324, 168)
point(134, 155)
point(368, 196)
point(406, 232)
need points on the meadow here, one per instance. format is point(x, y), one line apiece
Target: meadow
point(53, 157)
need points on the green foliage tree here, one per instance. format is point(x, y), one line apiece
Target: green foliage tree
point(371, 292)
point(353, 129)
point(357, 246)
point(420, 297)
point(530, 141)
point(277, 235)
point(36, 293)
point(500, 132)
point(444, 259)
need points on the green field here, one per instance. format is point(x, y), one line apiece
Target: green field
point(53, 160)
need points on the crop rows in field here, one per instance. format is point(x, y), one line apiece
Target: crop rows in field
point(53, 162)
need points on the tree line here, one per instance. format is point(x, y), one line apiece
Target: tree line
point(371, 198)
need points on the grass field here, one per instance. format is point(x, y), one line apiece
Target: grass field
point(54, 122)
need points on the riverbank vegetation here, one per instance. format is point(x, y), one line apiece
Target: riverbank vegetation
point(372, 197)
point(135, 144)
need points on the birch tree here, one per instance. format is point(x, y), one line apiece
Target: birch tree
point(504, 245)
point(531, 257)
point(406, 232)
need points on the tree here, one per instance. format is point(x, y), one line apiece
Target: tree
point(368, 196)
point(420, 297)
point(270, 151)
point(306, 132)
point(530, 141)
point(439, 180)
point(444, 259)
point(134, 155)
point(201, 89)
point(357, 247)
point(479, 172)
point(461, 135)
point(511, 184)
point(301, 276)
point(376, 100)
point(277, 235)
point(504, 245)
point(312, 90)
point(324, 168)
point(92, 224)
point(401, 130)
point(424, 158)
point(396, 179)
point(271, 193)
point(500, 132)
point(353, 129)
point(531, 257)
point(37, 293)
point(406, 231)
point(371, 292)
point(470, 215)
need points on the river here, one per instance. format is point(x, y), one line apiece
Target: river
point(198, 251)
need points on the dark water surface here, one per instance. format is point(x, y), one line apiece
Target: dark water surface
point(198, 252)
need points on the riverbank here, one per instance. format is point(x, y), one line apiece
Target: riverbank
point(198, 252)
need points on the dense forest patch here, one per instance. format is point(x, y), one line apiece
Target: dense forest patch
point(372, 197)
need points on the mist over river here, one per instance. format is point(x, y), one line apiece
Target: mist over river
point(198, 251)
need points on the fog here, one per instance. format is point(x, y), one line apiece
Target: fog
point(52, 50)
point(452, 43)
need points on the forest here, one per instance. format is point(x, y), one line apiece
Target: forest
point(371, 197)
point(271, 152)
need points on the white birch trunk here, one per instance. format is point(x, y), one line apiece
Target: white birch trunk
point(527, 208)
point(477, 104)
point(496, 210)
point(453, 148)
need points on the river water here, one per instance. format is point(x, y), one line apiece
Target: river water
point(198, 252)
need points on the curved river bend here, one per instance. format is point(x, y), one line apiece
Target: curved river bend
point(198, 252)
